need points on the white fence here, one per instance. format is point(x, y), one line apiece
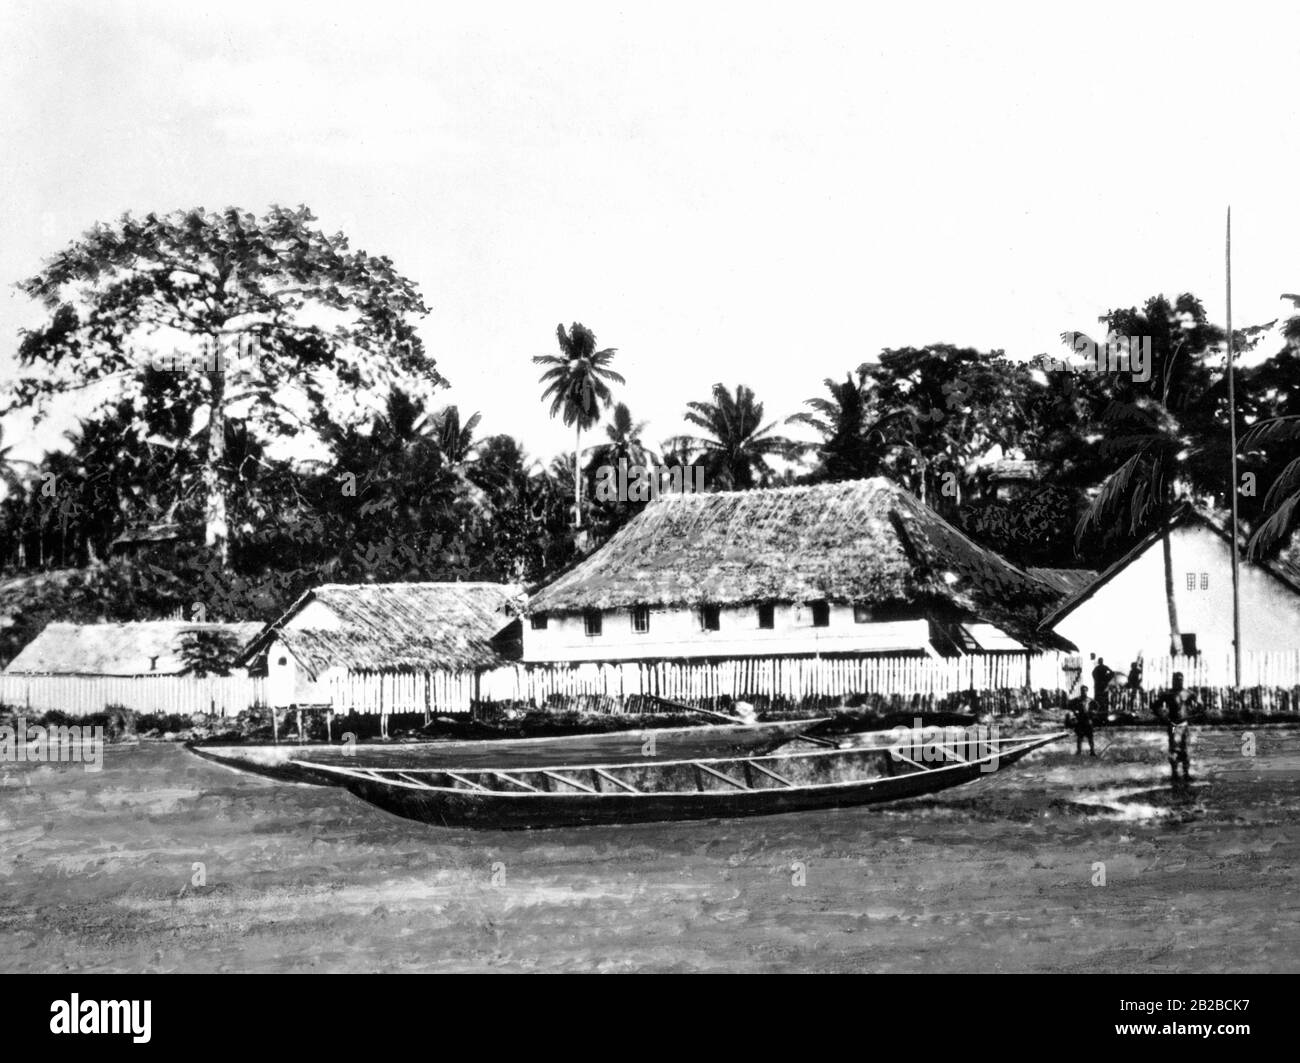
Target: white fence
point(770, 677)
point(385, 693)
point(774, 677)
point(1280, 668)
point(81, 695)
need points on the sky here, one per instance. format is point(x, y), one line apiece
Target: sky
point(754, 193)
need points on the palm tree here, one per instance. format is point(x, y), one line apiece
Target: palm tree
point(404, 425)
point(1169, 433)
point(456, 441)
point(854, 444)
point(9, 466)
point(16, 490)
point(1278, 425)
point(576, 383)
point(1282, 502)
point(624, 443)
point(736, 449)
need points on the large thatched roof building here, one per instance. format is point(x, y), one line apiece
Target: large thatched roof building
point(397, 630)
point(142, 648)
point(852, 568)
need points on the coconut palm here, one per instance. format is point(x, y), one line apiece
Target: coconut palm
point(576, 382)
point(1282, 503)
point(405, 424)
point(736, 450)
point(1168, 434)
point(623, 443)
point(456, 440)
point(854, 442)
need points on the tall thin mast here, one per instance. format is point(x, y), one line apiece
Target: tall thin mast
point(1232, 432)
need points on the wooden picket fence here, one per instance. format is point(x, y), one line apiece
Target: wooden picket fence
point(1005, 682)
point(392, 693)
point(83, 695)
point(789, 679)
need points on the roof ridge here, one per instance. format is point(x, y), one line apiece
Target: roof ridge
point(876, 482)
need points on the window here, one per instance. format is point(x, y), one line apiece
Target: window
point(591, 622)
point(281, 661)
point(641, 619)
point(1205, 581)
point(861, 614)
point(1191, 581)
point(538, 621)
point(710, 617)
point(821, 614)
point(1189, 645)
point(767, 617)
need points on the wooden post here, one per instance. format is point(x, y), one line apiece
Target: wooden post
point(275, 726)
point(301, 736)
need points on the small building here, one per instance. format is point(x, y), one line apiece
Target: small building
point(158, 543)
point(1124, 611)
point(139, 648)
point(1011, 478)
point(849, 569)
point(411, 645)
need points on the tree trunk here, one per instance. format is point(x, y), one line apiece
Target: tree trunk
point(216, 529)
point(577, 477)
point(1175, 639)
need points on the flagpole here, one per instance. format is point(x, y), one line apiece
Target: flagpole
point(1232, 433)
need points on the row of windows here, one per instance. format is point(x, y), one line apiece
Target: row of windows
point(710, 618)
point(1191, 581)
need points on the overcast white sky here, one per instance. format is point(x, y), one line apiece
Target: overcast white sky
point(758, 193)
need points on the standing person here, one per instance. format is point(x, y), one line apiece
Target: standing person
point(1101, 677)
point(1172, 708)
point(1082, 710)
point(1134, 684)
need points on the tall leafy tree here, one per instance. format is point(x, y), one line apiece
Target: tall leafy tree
point(577, 383)
point(950, 407)
point(261, 308)
point(737, 445)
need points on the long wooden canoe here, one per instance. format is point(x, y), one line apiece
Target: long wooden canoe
point(305, 763)
point(579, 794)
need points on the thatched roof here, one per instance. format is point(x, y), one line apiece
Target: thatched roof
point(397, 626)
point(1008, 470)
point(141, 648)
point(151, 533)
point(1065, 581)
point(863, 541)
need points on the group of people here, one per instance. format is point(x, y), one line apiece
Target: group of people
point(1171, 708)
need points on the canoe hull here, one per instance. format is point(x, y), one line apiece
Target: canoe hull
point(305, 764)
point(522, 811)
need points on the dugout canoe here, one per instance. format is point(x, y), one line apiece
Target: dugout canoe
point(308, 763)
point(649, 791)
